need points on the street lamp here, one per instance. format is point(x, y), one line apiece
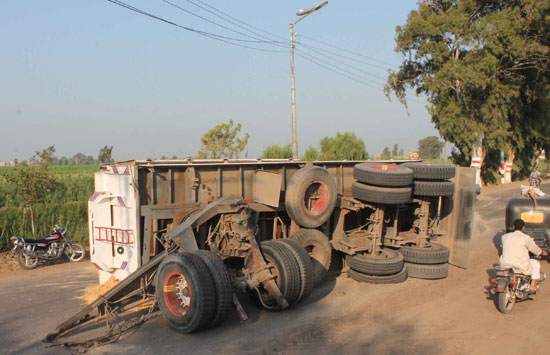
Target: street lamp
point(303, 13)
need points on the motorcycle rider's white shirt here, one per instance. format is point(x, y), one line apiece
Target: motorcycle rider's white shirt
point(515, 248)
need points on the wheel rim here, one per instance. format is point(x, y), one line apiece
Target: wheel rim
point(509, 300)
point(316, 198)
point(177, 293)
point(384, 167)
point(77, 254)
point(30, 262)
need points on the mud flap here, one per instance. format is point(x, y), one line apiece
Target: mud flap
point(459, 212)
point(501, 285)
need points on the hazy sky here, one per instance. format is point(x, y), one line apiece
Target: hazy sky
point(83, 74)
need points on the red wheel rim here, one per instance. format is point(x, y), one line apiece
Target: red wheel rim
point(384, 167)
point(316, 198)
point(177, 293)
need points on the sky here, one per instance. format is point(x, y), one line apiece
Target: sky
point(82, 74)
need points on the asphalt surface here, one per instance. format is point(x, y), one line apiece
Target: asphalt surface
point(34, 302)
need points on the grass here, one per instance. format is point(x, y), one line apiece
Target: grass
point(66, 206)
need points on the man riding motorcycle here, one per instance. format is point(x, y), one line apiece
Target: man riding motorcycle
point(515, 253)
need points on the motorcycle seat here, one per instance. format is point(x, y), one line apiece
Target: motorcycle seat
point(36, 241)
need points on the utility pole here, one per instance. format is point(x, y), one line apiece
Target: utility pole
point(293, 95)
point(303, 14)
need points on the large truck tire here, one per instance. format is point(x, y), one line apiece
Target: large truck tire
point(433, 188)
point(431, 171)
point(389, 262)
point(388, 175)
point(223, 286)
point(387, 279)
point(376, 194)
point(318, 247)
point(185, 292)
point(305, 267)
point(286, 272)
point(428, 271)
point(432, 254)
point(310, 196)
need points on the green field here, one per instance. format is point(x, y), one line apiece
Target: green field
point(66, 206)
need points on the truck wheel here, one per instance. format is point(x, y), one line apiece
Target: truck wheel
point(383, 174)
point(433, 188)
point(185, 292)
point(284, 267)
point(388, 262)
point(223, 286)
point(388, 279)
point(386, 195)
point(26, 262)
point(305, 267)
point(318, 247)
point(431, 171)
point(429, 272)
point(310, 196)
point(432, 254)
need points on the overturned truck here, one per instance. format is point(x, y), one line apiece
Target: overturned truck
point(186, 236)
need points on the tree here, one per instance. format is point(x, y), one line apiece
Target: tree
point(386, 154)
point(46, 156)
point(485, 69)
point(105, 155)
point(277, 152)
point(344, 146)
point(222, 142)
point(430, 148)
point(395, 150)
point(311, 154)
point(33, 184)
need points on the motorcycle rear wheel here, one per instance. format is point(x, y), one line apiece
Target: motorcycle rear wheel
point(79, 252)
point(26, 262)
point(506, 301)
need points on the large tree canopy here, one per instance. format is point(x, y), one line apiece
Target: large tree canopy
point(484, 67)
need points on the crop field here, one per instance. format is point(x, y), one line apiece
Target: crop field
point(66, 206)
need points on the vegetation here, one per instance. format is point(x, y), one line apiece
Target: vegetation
point(58, 195)
point(105, 155)
point(222, 142)
point(430, 147)
point(485, 69)
point(277, 152)
point(344, 146)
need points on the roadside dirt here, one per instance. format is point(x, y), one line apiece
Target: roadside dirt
point(8, 262)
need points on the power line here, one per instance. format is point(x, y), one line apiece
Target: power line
point(225, 16)
point(213, 36)
point(342, 62)
point(347, 50)
point(242, 22)
point(343, 56)
point(257, 40)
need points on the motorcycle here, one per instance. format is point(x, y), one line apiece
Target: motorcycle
point(29, 251)
point(512, 287)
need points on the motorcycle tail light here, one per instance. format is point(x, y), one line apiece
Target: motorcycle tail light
point(500, 289)
point(514, 282)
point(493, 280)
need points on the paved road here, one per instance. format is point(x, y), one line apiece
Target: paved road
point(418, 316)
point(34, 301)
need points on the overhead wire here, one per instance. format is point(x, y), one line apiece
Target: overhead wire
point(348, 51)
point(322, 61)
point(213, 36)
point(256, 40)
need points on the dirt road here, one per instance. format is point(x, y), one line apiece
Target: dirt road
point(450, 316)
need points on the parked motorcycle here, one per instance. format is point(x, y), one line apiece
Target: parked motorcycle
point(512, 287)
point(30, 251)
